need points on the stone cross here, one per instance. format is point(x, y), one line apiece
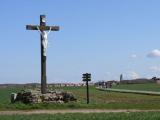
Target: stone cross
point(42, 28)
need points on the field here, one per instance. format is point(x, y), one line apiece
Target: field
point(98, 99)
point(79, 116)
point(143, 87)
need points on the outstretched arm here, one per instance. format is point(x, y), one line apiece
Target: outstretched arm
point(49, 30)
point(38, 30)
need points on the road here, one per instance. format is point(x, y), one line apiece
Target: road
point(30, 112)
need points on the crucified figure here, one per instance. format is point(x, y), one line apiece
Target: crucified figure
point(44, 35)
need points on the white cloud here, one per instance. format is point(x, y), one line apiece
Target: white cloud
point(132, 75)
point(154, 53)
point(133, 56)
point(155, 68)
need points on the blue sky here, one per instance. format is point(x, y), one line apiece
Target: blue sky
point(102, 37)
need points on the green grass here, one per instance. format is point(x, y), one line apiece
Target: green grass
point(91, 116)
point(98, 100)
point(5, 94)
point(143, 87)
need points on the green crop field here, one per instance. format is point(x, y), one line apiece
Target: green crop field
point(98, 100)
point(91, 116)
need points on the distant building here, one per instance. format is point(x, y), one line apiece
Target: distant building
point(106, 84)
point(158, 81)
point(121, 77)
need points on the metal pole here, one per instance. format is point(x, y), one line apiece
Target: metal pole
point(43, 60)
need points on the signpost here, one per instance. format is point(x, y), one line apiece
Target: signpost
point(87, 77)
point(42, 28)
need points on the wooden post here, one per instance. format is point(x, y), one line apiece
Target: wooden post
point(87, 92)
point(87, 77)
point(43, 59)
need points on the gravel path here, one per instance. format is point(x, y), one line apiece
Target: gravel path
point(30, 112)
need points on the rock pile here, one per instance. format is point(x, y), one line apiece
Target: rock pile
point(36, 97)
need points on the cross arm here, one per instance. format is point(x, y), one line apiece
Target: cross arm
point(34, 27)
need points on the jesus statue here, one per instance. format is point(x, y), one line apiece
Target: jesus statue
point(44, 35)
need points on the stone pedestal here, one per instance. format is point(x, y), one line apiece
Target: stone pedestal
point(28, 97)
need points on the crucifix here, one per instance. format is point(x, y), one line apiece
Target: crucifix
point(44, 31)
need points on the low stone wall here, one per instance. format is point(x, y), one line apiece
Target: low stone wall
point(36, 97)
